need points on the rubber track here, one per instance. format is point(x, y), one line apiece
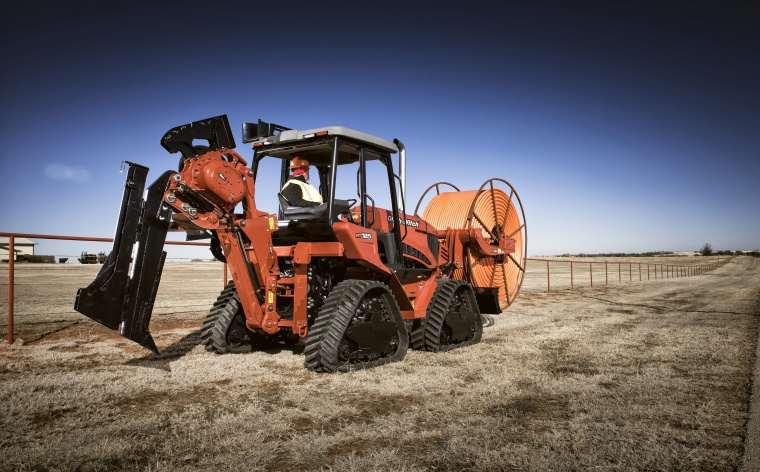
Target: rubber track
point(417, 335)
point(323, 340)
point(218, 321)
point(436, 316)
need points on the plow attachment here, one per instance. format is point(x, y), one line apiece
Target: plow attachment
point(120, 298)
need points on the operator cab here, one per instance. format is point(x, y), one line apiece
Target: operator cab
point(341, 160)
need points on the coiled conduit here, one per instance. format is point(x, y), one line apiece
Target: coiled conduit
point(496, 213)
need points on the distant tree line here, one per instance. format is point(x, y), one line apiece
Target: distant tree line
point(624, 254)
point(706, 250)
point(735, 253)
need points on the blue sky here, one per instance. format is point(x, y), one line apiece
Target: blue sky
point(624, 126)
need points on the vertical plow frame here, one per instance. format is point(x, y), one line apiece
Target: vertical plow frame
point(124, 291)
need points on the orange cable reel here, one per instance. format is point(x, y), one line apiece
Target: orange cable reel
point(495, 209)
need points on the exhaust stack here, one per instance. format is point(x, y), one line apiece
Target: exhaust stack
point(401, 170)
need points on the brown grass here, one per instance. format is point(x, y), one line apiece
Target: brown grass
point(645, 375)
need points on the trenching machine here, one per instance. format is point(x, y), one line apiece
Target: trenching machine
point(355, 284)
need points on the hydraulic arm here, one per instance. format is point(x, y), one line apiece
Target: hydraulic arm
point(203, 195)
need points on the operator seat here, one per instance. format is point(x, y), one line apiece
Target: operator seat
point(301, 213)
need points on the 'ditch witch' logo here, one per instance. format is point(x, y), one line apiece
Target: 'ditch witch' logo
point(407, 221)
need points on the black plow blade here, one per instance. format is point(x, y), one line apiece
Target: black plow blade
point(120, 300)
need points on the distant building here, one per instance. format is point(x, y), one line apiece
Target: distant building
point(21, 246)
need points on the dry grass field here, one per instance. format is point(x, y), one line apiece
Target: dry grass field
point(650, 375)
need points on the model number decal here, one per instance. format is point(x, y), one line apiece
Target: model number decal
point(363, 235)
point(407, 221)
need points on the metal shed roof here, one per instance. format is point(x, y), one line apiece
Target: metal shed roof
point(4, 241)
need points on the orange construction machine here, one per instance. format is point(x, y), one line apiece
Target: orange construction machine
point(355, 283)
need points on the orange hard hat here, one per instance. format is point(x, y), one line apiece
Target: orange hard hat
point(299, 162)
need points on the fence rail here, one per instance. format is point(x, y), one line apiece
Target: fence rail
point(11, 260)
point(648, 270)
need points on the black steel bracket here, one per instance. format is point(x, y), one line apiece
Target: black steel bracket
point(215, 131)
point(262, 129)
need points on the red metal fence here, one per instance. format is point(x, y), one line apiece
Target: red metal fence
point(11, 260)
point(650, 270)
point(643, 269)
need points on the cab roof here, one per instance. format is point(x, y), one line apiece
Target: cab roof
point(294, 135)
point(314, 145)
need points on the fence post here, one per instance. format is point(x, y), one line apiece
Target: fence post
point(639, 271)
point(630, 272)
point(620, 280)
point(571, 275)
point(548, 278)
point(591, 274)
point(11, 260)
point(605, 274)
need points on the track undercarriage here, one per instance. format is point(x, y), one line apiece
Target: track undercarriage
point(359, 325)
point(453, 319)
